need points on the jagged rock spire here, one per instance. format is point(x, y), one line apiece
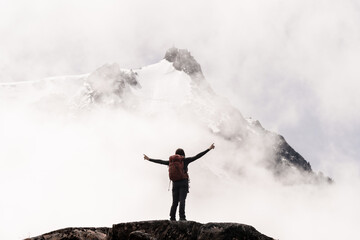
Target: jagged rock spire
point(183, 61)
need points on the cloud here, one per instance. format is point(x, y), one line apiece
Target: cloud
point(87, 170)
point(292, 65)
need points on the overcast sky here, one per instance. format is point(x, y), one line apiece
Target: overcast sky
point(293, 65)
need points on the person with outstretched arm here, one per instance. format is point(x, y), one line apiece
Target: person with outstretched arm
point(178, 173)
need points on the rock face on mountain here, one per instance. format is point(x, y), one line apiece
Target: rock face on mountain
point(285, 162)
point(183, 61)
point(157, 230)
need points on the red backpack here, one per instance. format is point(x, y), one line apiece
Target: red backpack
point(176, 168)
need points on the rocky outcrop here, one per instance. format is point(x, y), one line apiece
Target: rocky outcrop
point(75, 234)
point(157, 230)
point(183, 61)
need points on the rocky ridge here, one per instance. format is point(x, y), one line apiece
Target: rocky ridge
point(284, 159)
point(157, 230)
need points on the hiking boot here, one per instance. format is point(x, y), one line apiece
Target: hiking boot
point(172, 219)
point(183, 219)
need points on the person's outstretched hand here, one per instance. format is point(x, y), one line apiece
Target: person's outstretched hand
point(212, 146)
point(146, 157)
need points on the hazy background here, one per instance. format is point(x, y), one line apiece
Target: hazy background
point(290, 64)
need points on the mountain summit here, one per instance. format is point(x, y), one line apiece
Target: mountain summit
point(174, 86)
point(183, 61)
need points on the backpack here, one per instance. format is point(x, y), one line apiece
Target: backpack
point(176, 168)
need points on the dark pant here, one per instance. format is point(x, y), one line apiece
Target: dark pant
point(179, 193)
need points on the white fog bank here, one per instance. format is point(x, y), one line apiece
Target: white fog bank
point(60, 170)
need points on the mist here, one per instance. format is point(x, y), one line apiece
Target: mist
point(291, 65)
point(88, 170)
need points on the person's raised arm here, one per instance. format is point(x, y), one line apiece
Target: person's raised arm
point(191, 159)
point(156, 160)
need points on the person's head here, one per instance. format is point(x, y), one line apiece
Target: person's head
point(180, 152)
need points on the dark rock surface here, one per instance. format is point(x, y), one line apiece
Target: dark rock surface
point(183, 61)
point(157, 230)
point(75, 234)
point(286, 157)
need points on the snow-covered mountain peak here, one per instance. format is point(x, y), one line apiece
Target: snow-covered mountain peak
point(174, 87)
